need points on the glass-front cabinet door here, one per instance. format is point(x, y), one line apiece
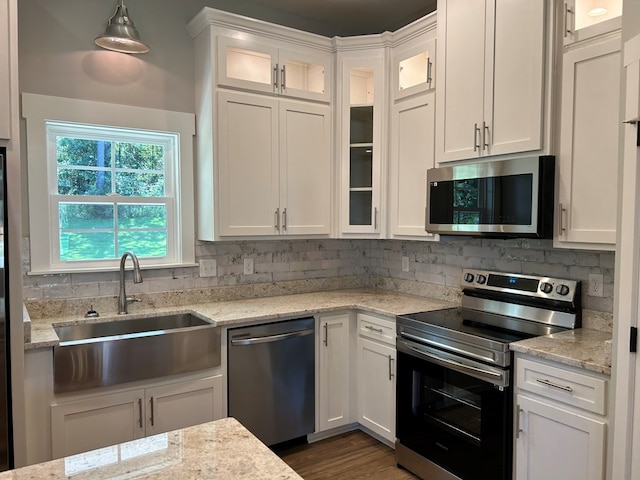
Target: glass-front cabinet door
point(262, 67)
point(414, 69)
point(586, 18)
point(361, 157)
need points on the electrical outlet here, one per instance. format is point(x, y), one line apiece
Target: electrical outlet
point(405, 264)
point(595, 285)
point(208, 267)
point(248, 266)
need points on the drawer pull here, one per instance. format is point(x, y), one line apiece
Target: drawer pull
point(373, 329)
point(544, 381)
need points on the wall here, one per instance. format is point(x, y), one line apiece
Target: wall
point(285, 266)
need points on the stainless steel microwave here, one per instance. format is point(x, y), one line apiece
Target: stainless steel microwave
point(506, 198)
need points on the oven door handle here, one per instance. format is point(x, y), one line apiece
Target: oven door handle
point(500, 379)
point(434, 343)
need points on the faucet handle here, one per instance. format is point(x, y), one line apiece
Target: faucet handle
point(133, 299)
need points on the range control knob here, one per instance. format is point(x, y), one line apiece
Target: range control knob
point(468, 277)
point(546, 287)
point(562, 289)
point(481, 279)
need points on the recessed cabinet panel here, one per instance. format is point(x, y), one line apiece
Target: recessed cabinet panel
point(588, 161)
point(461, 32)
point(554, 443)
point(305, 168)
point(412, 154)
point(97, 422)
point(513, 96)
point(333, 347)
point(5, 69)
point(248, 163)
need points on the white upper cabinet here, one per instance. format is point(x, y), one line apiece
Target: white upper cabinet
point(490, 75)
point(275, 159)
point(264, 67)
point(412, 154)
point(414, 68)
point(6, 46)
point(265, 128)
point(582, 19)
point(589, 147)
point(362, 142)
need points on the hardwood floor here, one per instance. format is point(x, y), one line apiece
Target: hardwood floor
point(350, 456)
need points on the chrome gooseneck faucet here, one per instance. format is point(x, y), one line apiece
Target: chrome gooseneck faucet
point(123, 301)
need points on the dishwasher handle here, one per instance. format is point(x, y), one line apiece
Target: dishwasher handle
point(271, 338)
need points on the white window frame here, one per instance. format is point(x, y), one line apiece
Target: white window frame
point(38, 110)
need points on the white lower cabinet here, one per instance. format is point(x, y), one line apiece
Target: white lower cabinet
point(98, 421)
point(333, 340)
point(560, 422)
point(376, 376)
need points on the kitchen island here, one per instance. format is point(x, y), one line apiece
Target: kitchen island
point(222, 449)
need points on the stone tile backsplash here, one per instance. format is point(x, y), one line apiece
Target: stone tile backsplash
point(296, 266)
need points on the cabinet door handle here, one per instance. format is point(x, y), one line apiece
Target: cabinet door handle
point(373, 329)
point(275, 77)
point(283, 78)
point(284, 219)
point(518, 429)
point(476, 131)
point(561, 227)
point(485, 136)
point(140, 412)
point(567, 11)
point(152, 412)
point(326, 334)
point(277, 219)
point(429, 65)
point(391, 374)
point(549, 383)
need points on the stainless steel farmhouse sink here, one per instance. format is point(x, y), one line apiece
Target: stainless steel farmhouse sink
point(94, 355)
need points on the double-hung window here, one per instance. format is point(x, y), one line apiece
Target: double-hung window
point(107, 187)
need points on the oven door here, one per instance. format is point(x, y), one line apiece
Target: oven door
point(454, 412)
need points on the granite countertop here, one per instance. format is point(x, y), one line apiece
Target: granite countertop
point(261, 309)
point(222, 449)
point(583, 348)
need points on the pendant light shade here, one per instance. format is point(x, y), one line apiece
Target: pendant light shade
point(121, 34)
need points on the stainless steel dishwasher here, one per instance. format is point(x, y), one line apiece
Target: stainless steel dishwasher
point(272, 379)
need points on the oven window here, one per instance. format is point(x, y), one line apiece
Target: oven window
point(453, 402)
point(453, 419)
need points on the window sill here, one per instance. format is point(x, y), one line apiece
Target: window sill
point(59, 271)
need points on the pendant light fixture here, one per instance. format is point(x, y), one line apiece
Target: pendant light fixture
point(121, 34)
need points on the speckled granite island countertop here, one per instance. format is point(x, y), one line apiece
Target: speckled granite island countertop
point(260, 309)
point(221, 450)
point(583, 348)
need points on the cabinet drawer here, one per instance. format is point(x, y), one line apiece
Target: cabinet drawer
point(573, 388)
point(377, 328)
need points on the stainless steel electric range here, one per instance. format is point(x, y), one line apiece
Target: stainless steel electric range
point(454, 386)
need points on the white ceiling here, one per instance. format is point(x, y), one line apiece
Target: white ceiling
point(341, 17)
